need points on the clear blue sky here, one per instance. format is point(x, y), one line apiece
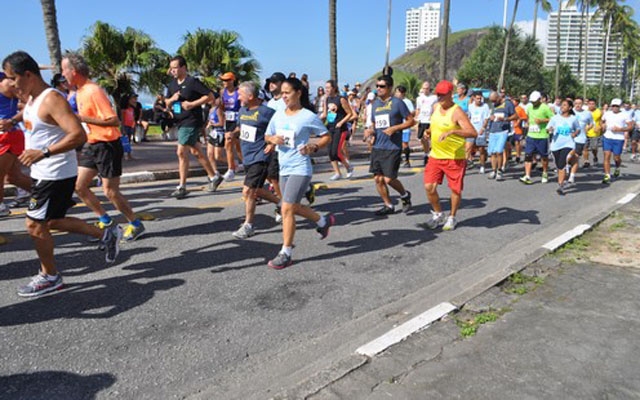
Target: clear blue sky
point(284, 35)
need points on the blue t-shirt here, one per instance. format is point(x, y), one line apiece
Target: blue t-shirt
point(385, 114)
point(584, 118)
point(253, 124)
point(411, 109)
point(505, 110)
point(464, 103)
point(296, 129)
point(478, 115)
point(563, 128)
point(8, 107)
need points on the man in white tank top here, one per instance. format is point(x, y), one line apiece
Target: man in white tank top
point(52, 134)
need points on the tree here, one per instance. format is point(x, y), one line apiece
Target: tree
point(614, 19)
point(569, 84)
point(210, 54)
point(444, 38)
point(413, 85)
point(51, 32)
point(506, 46)
point(333, 44)
point(124, 61)
point(546, 7)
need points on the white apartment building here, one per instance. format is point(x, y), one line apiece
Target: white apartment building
point(593, 39)
point(422, 25)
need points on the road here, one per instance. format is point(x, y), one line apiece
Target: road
point(190, 312)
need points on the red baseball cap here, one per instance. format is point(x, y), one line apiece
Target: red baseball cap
point(228, 76)
point(444, 87)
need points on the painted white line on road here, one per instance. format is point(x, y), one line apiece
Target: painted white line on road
point(143, 176)
point(565, 237)
point(627, 198)
point(403, 331)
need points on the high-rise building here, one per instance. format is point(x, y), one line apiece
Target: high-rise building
point(571, 20)
point(422, 25)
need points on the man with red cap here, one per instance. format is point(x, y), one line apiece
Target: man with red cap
point(450, 126)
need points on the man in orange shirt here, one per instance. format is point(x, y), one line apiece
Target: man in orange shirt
point(520, 126)
point(102, 154)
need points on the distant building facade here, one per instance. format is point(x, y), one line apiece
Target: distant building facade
point(422, 25)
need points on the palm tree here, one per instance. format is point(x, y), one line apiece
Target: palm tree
point(444, 37)
point(506, 46)
point(333, 45)
point(210, 54)
point(546, 7)
point(614, 16)
point(51, 32)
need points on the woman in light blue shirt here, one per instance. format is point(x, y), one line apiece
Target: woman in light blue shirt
point(564, 127)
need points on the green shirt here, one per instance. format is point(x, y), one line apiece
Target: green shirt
point(539, 131)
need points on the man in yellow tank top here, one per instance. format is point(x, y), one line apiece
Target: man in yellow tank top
point(450, 126)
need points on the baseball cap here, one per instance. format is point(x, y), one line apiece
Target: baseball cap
point(228, 76)
point(535, 96)
point(277, 77)
point(616, 102)
point(371, 96)
point(444, 87)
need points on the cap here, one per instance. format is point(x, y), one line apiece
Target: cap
point(371, 96)
point(277, 77)
point(535, 96)
point(228, 76)
point(444, 87)
point(616, 102)
point(358, 84)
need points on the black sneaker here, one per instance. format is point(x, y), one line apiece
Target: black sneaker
point(385, 210)
point(280, 261)
point(214, 183)
point(586, 165)
point(179, 193)
point(324, 231)
point(111, 241)
point(406, 202)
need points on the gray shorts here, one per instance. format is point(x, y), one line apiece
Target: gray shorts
point(594, 142)
point(294, 188)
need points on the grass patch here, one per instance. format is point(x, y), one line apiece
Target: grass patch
point(519, 283)
point(469, 327)
point(154, 130)
point(617, 226)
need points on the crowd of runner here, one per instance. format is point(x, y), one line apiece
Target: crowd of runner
point(72, 133)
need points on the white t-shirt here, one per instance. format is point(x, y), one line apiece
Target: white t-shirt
point(424, 106)
point(478, 114)
point(618, 120)
point(277, 105)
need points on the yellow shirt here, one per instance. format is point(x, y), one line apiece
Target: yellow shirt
point(595, 130)
point(452, 148)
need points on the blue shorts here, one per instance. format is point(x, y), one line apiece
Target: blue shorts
point(406, 135)
point(481, 140)
point(612, 145)
point(540, 146)
point(497, 141)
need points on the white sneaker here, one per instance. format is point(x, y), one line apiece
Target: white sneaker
point(335, 177)
point(436, 220)
point(492, 175)
point(349, 172)
point(482, 170)
point(4, 210)
point(229, 175)
point(450, 224)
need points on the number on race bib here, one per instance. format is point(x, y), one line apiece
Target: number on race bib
point(248, 133)
point(534, 128)
point(382, 121)
point(230, 116)
point(288, 136)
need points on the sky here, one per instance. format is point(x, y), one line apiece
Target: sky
point(284, 35)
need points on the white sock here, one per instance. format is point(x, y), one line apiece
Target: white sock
point(286, 250)
point(51, 278)
point(572, 177)
point(322, 222)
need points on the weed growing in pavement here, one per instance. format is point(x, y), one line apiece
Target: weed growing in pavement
point(520, 283)
point(618, 225)
point(469, 326)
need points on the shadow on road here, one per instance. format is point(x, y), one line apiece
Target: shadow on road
point(53, 385)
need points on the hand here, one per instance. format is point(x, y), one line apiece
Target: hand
point(6, 125)
point(444, 136)
point(389, 131)
point(279, 140)
point(269, 148)
point(187, 105)
point(537, 121)
point(492, 118)
point(31, 156)
point(306, 149)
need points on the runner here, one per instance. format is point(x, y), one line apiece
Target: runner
point(102, 154)
point(11, 146)
point(127, 116)
point(401, 93)
point(615, 125)
point(593, 135)
point(564, 127)
point(185, 96)
point(450, 126)
point(635, 136)
point(231, 103)
point(520, 128)
point(215, 138)
point(498, 125)
point(537, 137)
point(273, 173)
point(290, 130)
point(389, 116)
point(479, 113)
point(53, 134)
point(253, 119)
point(336, 115)
point(585, 119)
point(424, 107)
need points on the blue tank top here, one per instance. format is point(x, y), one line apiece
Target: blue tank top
point(213, 116)
point(73, 103)
point(8, 107)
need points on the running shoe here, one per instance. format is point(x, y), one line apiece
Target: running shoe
point(616, 173)
point(586, 164)
point(245, 232)
point(560, 190)
point(21, 200)
point(482, 170)
point(545, 178)
point(278, 215)
point(492, 175)
point(102, 226)
point(595, 160)
point(335, 177)
point(406, 202)
point(499, 176)
point(229, 175)
point(526, 180)
point(132, 232)
point(436, 220)
point(214, 183)
point(40, 285)
point(324, 231)
point(179, 193)
point(310, 194)
point(406, 164)
point(450, 224)
point(606, 179)
point(385, 210)
point(4, 210)
point(239, 169)
point(349, 172)
point(111, 241)
point(282, 260)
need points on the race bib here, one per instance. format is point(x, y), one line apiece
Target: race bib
point(382, 121)
point(476, 119)
point(176, 107)
point(535, 128)
point(288, 135)
point(499, 115)
point(248, 133)
point(217, 135)
point(230, 116)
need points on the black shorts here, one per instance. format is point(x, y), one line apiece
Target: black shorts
point(255, 175)
point(230, 125)
point(422, 128)
point(580, 148)
point(385, 162)
point(635, 135)
point(273, 171)
point(215, 137)
point(105, 157)
point(560, 157)
point(51, 199)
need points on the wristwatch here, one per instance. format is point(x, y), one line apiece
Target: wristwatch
point(46, 152)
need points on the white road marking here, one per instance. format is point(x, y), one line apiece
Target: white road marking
point(565, 237)
point(627, 198)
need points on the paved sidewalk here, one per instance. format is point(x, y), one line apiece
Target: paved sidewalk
point(572, 335)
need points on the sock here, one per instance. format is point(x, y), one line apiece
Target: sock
point(390, 206)
point(249, 225)
point(322, 222)
point(105, 219)
point(286, 250)
point(136, 222)
point(405, 195)
point(572, 177)
point(51, 278)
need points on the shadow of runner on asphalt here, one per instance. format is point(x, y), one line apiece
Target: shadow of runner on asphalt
point(503, 216)
point(54, 385)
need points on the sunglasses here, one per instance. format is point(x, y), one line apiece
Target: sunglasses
point(381, 86)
